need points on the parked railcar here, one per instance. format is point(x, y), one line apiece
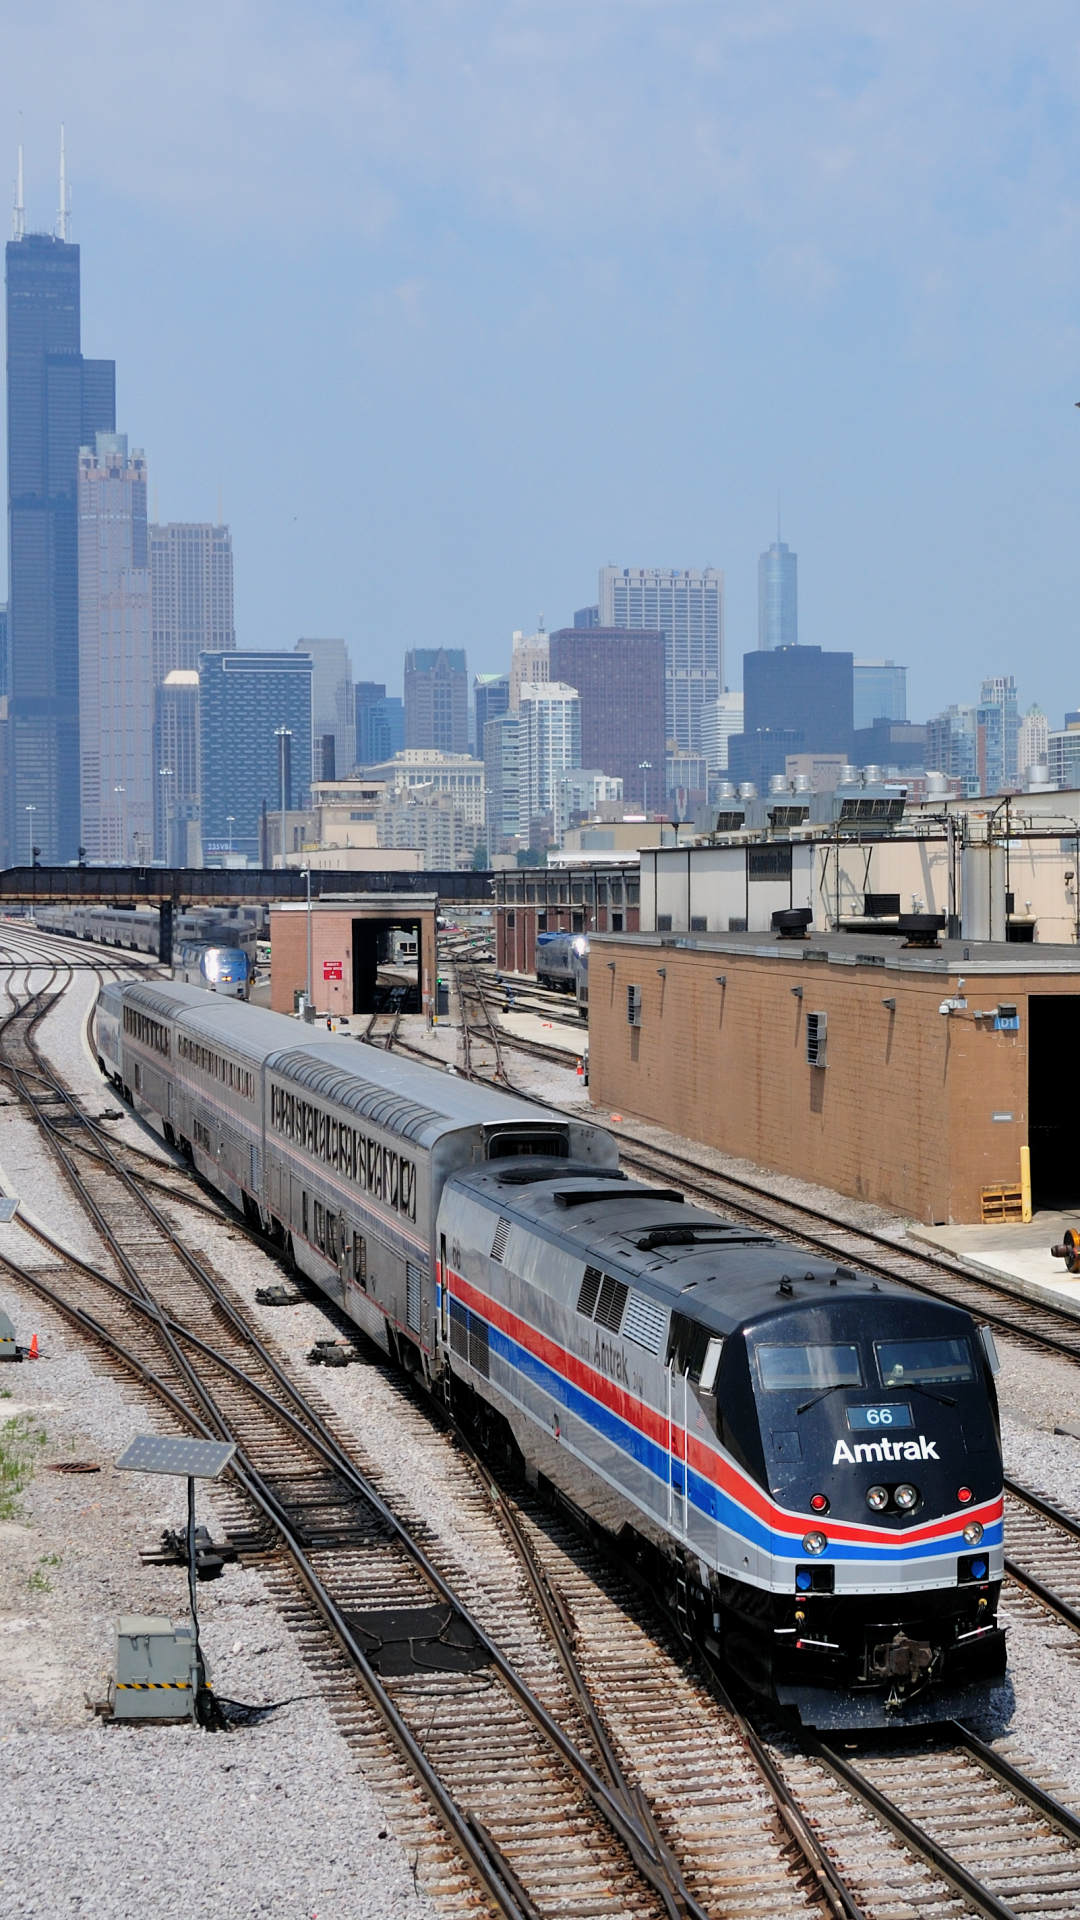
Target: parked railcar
point(805, 1460)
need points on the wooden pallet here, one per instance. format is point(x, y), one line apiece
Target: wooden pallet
point(1002, 1203)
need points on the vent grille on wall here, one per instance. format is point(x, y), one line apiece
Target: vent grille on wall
point(816, 1032)
point(502, 1235)
point(412, 1297)
point(611, 1304)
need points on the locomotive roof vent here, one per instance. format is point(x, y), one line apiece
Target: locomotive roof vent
point(694, 1235)
point(583, 1196)
point(527, 1176)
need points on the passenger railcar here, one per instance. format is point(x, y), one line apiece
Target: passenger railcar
point(805, 1459)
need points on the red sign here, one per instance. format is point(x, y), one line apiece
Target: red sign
point(333, 970)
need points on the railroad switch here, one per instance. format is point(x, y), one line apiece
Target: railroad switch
point(210, 1558)
point(333, 1353)
point(278, 1296)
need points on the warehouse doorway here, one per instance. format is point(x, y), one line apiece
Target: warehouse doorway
point(386, 965)
point(1053, 1046)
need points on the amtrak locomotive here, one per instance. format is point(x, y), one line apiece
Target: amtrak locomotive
point(805, 1460)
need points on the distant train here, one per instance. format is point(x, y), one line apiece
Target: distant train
point(562, 962)
point(137, 928)
point(220, 969)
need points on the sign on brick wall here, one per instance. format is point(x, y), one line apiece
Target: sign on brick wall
point(333, 970)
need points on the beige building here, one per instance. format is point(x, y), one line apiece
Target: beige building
point(116, 681)
point(456, 774)
point(530, 664)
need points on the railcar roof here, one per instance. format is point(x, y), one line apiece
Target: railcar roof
point(400, 1094)
point(733, 1277)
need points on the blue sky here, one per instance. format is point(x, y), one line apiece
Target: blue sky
point(459, 301)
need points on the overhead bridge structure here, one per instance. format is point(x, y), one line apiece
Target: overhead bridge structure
point(170, 888)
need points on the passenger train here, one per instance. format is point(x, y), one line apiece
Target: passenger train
point(804, 1460)
point(562, 962)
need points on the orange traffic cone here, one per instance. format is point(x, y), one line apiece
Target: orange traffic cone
point(33, 1353)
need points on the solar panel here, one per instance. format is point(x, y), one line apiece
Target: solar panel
point(167, 1453)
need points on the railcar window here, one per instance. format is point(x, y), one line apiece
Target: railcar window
point(378, 1170)
point(151, 1032)
point(238, 1079)
point(791, 1369)
point(906, 1363)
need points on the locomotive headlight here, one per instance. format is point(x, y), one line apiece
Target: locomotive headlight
point(814, 1543)
point(973, 1533)
point(877, 1498)
point(906, 1497)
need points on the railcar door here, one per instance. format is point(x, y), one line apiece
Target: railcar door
point(677, 1406)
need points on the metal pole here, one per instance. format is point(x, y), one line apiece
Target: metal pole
point(198, 1677)
point(307, 871)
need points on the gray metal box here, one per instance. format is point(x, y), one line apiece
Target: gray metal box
point(153, 1669)
point(8, 1349)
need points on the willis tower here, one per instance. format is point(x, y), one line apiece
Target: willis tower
point(56, 402)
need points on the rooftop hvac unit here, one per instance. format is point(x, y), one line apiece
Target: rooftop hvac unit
point(817, 1025)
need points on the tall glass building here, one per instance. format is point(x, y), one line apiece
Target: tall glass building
point(880, 691)
point(56, 403)
point(245, 701)
point(778, 598)
point(116, 697)
point(191, 571)
point(687, 607)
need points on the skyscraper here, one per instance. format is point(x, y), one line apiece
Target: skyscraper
point(380, 723)
point(437, 699)
point(334, 708)
point(620, 679)
point(530, 663)
point(176, 768)
point(191, 584)
point(249, 703)
point(549, 743)
point(795, 700)
point(719, 720)
point(56, 402)
point(491, 697)
point(116, 685)
point(997, 726)
point(778, 598)
point(952, 747)
point(501, 781)
point(880, 688)
point(687, 607)
point(1032, 742)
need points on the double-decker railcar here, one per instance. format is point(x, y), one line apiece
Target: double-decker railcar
point(805, 1459)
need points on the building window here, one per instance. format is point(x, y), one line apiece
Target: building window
point(663, 923)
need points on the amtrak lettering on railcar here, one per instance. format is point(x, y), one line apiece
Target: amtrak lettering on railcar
point(807, 1461)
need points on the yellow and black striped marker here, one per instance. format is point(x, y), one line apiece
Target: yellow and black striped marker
point(153, 1686)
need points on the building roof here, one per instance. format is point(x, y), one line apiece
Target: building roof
point(970, 957)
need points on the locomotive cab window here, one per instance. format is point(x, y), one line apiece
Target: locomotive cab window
point(906, 1363)
point(792, 1369)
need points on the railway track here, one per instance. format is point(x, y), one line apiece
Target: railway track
point(729, 1824)
point(575, 1837)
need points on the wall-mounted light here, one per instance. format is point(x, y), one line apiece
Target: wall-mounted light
point(611, 966)
point(662, 971)
point(721, 979)
point(797, 991)
point(890, 1004)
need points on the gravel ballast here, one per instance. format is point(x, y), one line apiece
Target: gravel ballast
point(98, 1836)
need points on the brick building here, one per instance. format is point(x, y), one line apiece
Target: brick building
point(349, 939)
point(905, 1077)
point(619, 675)
point(589, 898)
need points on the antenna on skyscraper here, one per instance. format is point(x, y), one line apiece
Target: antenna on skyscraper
point(63, 218)
point(18, 216)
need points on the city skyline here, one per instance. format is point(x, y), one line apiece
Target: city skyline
point(801, 345)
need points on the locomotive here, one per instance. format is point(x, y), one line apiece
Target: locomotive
point(803, 1459)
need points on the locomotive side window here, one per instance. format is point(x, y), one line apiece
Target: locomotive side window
point(906, 1363)
point(791, 1369)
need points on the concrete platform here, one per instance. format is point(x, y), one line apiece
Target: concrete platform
point(1016, 1253)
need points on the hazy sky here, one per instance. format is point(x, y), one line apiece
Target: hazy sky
point(460, 301)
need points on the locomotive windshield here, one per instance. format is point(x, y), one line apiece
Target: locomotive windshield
point(790, 1369)
point(923, 1362)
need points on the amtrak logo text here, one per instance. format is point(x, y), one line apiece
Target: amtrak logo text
point(920, 1449)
